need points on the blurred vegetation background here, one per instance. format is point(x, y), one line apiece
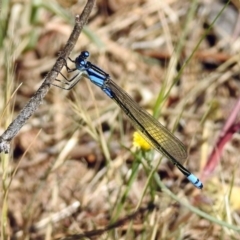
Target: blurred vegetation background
point(73, 167)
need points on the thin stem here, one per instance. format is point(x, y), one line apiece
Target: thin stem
point(37, 98)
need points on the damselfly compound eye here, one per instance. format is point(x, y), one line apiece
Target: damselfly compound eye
point(85, 54)
point(82, 63)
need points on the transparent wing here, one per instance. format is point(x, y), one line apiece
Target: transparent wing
point(151, 129)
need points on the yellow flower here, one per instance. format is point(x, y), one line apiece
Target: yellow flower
point(140, 142)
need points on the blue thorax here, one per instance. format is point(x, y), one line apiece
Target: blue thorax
point(95, 74)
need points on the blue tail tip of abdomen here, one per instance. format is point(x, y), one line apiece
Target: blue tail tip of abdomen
point(195, 181)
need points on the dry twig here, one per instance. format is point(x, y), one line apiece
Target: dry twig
point(37, 98)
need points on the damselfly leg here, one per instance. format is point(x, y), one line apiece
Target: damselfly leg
point(68, 83)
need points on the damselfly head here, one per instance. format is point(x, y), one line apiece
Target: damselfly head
point(81, 62)
point(84, 54)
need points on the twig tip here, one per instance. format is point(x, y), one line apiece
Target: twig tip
point(77, 18)
point(4, 146)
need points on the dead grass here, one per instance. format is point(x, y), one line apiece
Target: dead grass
point(81, 173)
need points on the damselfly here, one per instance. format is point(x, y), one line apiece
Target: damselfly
point(149, 128)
